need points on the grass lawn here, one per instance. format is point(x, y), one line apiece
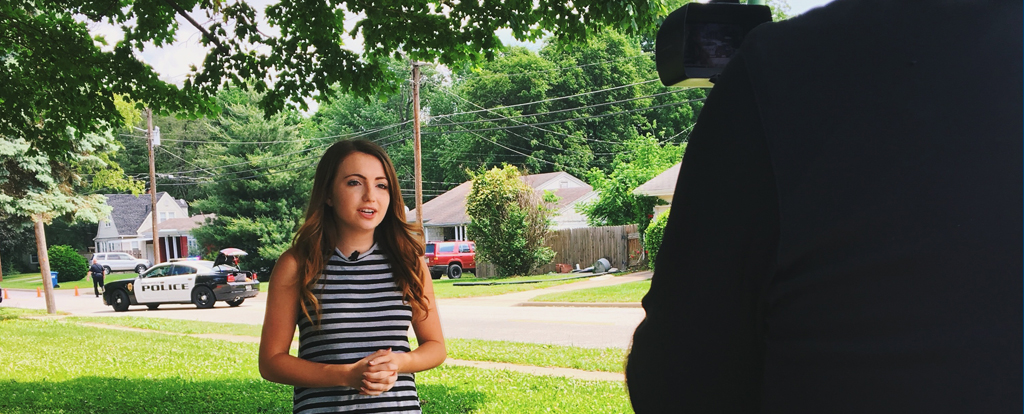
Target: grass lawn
point(444, 289)
point(626, 292)
point(589, 359)
point(35, 280)
point(54, 366)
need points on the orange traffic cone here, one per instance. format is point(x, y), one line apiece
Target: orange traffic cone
point(6, 295)
point(39, 293)
point(76, 290)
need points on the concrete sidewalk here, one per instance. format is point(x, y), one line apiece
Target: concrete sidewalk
point(523, 298)
point(527, 369)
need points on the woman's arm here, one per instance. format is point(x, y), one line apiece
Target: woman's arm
point(431, 351)
point(279, 322)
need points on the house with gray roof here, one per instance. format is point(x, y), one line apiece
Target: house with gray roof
point(445, 217)
point(662, 186)
point(129, 228)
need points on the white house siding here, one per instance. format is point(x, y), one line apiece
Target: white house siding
point(165, 204)
point(434, 233)
point(562, 180)
point(569, 218)
point(105, 231)
point(108, 238)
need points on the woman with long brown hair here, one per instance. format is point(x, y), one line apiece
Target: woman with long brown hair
point(353, 281)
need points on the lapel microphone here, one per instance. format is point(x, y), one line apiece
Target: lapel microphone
point(354, 256)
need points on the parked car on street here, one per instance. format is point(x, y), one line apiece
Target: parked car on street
point(201, 282)
point(450, 258)
point(121, 262)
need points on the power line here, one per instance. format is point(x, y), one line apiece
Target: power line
point(519, 122)
point(549, 99)
point(564, 109)
point(578, 119)
point(517, 152)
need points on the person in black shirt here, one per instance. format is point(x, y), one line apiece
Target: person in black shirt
point(97, 273)
point(846, 230)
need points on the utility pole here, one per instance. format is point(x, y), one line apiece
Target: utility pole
point(44, 263)
point(418, 166)
point(152, 184)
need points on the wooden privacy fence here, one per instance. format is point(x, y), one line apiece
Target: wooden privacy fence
point(584, 246)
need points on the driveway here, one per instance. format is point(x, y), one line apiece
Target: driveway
point(495, 317)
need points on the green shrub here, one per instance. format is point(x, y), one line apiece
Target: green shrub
point(508, 221)
point(653, 235)
point(69, 265)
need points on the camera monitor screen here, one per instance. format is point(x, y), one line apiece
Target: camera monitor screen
point(696, 41)
point(711, 45)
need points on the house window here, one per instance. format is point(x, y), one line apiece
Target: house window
point(106, 223)
point(135, 245)
point(33, 258)
point(163, 218)
point(170, 215)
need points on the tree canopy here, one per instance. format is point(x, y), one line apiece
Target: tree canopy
point(643, 159)
point(57, 76)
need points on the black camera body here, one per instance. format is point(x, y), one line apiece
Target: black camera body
point(696, 41)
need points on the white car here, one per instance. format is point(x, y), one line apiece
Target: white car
point(121, 262)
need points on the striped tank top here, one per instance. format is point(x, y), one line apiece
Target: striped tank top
point(363, 312)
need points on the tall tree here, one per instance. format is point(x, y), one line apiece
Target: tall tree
point(57, 76)
point(260, 186)
point(35, 189)
point(384, 118)
point(643, 159)
point(485, 125)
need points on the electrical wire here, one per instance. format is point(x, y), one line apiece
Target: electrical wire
point(547, 100)
point(564, 109)
point(578, 119)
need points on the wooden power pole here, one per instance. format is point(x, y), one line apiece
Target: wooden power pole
point(44, 263)
point(152, 185)
point(418, 165)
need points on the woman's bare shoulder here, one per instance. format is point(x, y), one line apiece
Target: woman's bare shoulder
point(289, 256)
point(287, 266)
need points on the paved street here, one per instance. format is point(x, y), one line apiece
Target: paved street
point(495, 318)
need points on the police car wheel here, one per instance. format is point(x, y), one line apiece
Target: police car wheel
point(237, 302)
point(152, 306)
point(203, 297)
point(119, 301)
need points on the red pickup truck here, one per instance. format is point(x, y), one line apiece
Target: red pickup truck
point(450, 258)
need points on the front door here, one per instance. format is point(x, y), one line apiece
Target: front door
point(180, 283)
point(149, 286)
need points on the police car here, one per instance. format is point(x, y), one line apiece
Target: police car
point(201, 282)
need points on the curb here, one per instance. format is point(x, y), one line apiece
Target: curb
point(582, 304)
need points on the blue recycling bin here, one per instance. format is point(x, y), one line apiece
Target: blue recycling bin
point(53, 279)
